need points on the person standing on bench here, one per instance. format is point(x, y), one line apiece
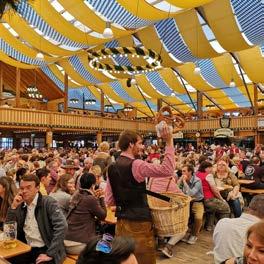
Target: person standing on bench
point(127, 190)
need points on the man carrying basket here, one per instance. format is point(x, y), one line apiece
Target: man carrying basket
point(127, 190)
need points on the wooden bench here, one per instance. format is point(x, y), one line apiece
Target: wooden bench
point(75, 257)
point(250, 191)
point(69, 261)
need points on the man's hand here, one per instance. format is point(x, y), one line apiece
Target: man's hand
point(166, 134)
point(43, 258)
point(18, 199)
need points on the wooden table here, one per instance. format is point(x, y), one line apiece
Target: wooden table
point(110, 216)
point(244, 181)
point(20, 249)
point(251, 191)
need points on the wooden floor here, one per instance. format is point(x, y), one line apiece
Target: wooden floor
point(191, 254)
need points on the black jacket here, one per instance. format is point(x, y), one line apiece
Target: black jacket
point(51, 222)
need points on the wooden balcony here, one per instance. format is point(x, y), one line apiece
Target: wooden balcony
point(26, 118)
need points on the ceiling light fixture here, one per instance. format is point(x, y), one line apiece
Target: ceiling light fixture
point(197, 70)
point(108, 32)
point(232, 83)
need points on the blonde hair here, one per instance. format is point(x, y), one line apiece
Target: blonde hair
point(226, 166)
point(96, 170)
point(104, 146)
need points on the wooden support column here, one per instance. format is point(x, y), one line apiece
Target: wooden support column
point(159, 104)
point(49, 137)
point(1, 80)
point(199, 104)
point(99, 137)
point(255, 99)
point(102, 103)
point(18, 76)
point(66, 88)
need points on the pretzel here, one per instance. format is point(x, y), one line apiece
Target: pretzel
point(165, 114)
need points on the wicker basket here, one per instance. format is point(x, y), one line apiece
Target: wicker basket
point(170, 218)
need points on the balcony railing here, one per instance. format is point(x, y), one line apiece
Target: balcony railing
point(60, 121)
point(12, 117)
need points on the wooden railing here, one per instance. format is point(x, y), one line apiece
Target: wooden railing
point(13, 117)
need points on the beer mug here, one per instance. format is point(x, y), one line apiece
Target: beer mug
point(10, 234)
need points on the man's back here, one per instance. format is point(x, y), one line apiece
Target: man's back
point(230, 236)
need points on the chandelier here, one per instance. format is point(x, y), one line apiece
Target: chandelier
point(128, 109)
point(33, 92)
point(152, 59)
point(90, 101)
point(74, 101)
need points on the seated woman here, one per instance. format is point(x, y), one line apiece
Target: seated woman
point(213, 201)
point(228, 185)
point(86, 206)
point(63, 191)
point(8, 191)
point(253, 251)
point(109, 250)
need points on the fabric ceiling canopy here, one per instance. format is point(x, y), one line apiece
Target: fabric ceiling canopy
point(224, 38)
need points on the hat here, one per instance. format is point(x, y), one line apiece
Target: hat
point(69, 165)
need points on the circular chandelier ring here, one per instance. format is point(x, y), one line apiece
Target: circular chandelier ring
point(96, 57)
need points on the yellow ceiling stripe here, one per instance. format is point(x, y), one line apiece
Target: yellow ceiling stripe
point(131, 91)
point(188, 3)
point(54, 69)
point(252, 62)
point(88, 17)
point(179, 104)
point(107, 89)
point(187, 71)
point(226, 69)
point(150, 40)
point(143, 9)
point(170, 78)
point(32, 37)
point(73, 74)
point(6, 59)
point(61, 25)
point(144, 84)
point(19, 46)
point(193, 35)
point(222, 22)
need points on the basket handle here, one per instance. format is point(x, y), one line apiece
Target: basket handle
point(158, 195)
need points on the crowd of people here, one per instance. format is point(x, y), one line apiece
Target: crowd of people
point(59, 199)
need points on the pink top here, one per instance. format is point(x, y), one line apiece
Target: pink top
point(161, 185)
point(142, 169)
point(206, 187)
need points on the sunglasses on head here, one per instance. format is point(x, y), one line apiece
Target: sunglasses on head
point(104, 245)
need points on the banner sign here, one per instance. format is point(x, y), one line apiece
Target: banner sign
point(224, 132)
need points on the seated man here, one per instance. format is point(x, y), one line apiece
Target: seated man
point(255, 172)
point(230, 234)
point(191, 185)
point(40, 224)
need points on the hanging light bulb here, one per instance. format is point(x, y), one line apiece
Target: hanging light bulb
point(133, 80)
point(108, 33)
point(40, 56)
point(232, 83)
point(197, 69)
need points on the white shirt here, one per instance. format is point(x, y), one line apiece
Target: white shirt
point(230, 236)
point(31, 229)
